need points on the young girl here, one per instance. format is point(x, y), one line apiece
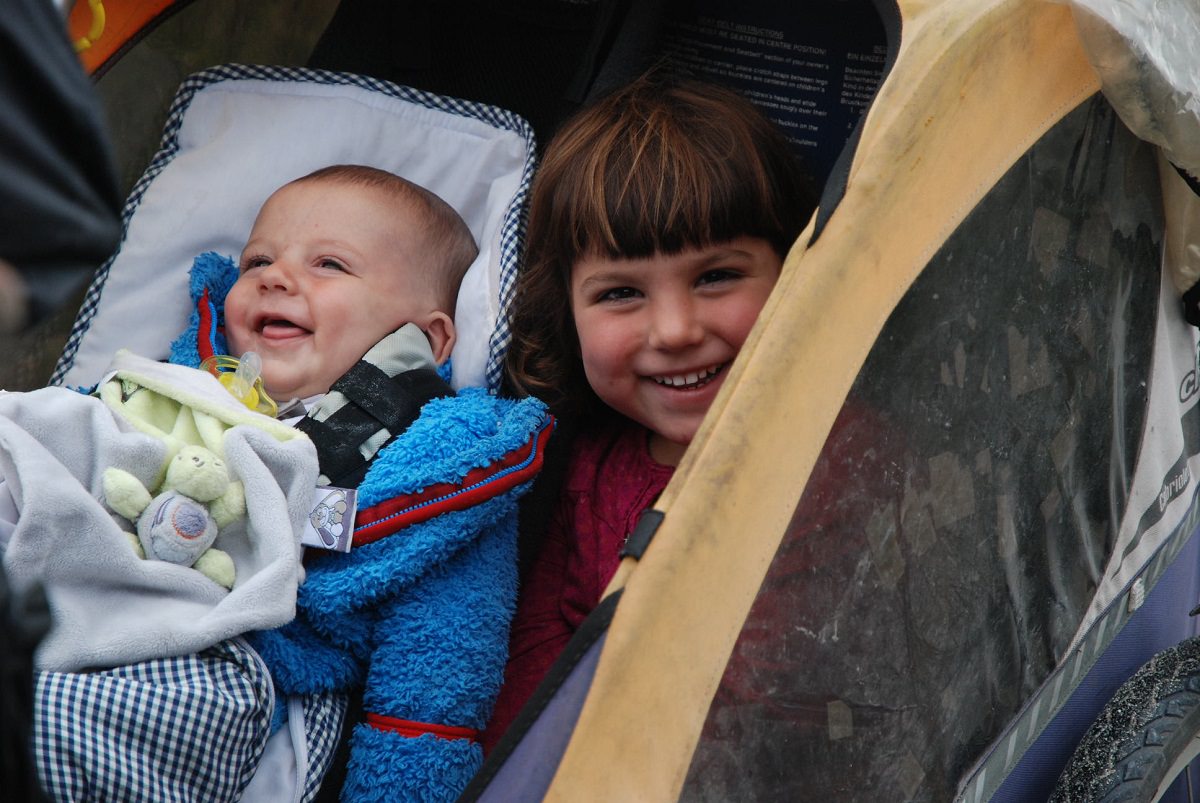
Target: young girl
point(659, 220)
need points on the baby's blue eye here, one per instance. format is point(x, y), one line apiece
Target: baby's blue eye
point(254, 262)
point(332, 264)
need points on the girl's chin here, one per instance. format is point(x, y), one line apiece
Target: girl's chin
point(665, 451)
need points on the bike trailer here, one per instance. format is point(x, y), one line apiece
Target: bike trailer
point(942, 509)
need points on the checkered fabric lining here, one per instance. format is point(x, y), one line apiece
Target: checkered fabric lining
point(512, 231)
point(175, 729)
point(323, 715)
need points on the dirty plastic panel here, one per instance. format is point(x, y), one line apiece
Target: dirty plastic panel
point(1145, 54)
point(959, 519)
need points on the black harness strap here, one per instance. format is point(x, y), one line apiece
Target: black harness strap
point(375, 402)
point(392, 403)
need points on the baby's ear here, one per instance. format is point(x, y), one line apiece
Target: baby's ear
point(439, 328)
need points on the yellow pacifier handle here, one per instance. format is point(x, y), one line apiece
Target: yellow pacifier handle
point(243, 379)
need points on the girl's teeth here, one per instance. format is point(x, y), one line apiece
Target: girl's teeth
point(687, 379)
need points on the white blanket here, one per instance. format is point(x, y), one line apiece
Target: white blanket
point(111, 607)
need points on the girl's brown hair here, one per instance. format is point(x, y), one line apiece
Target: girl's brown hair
point(661, 165)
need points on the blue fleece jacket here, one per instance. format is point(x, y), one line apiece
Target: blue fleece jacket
point(418, 617)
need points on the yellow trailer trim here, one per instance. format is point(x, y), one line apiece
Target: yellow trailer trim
point(974, 86)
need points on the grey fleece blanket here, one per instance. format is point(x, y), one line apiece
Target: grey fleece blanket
point(110, 607)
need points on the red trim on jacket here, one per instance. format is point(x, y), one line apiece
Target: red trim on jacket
point(412, 730)
point(479, 485)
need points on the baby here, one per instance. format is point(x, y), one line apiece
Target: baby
point(337, 260)
point(346, 263)
point(345, 291)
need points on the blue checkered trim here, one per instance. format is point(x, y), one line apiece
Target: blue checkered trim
point(173, 729)
point(323, 715)
point(512, 232)
point(512, 245)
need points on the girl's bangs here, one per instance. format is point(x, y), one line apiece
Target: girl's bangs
point(639, 216)
point(666, 193)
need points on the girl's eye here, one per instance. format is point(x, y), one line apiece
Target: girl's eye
point(332, 264)
point(718, 275)
point(617, 294)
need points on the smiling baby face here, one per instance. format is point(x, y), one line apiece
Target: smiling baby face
point(328, 271)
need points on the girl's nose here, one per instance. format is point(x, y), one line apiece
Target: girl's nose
point(675, 325)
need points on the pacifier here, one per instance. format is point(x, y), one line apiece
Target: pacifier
point(243, 379)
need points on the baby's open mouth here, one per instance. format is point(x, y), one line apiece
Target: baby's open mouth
point(688, 381)
point(280, 327)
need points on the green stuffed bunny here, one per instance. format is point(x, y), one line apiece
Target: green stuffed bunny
point(195, 501)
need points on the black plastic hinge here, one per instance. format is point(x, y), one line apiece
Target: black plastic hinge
point(643, 532)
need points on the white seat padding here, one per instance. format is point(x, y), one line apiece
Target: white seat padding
point(236, 133)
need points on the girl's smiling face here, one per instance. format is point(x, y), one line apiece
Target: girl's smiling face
point(657, 335)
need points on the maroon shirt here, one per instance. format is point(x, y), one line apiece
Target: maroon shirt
point(610, 480)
